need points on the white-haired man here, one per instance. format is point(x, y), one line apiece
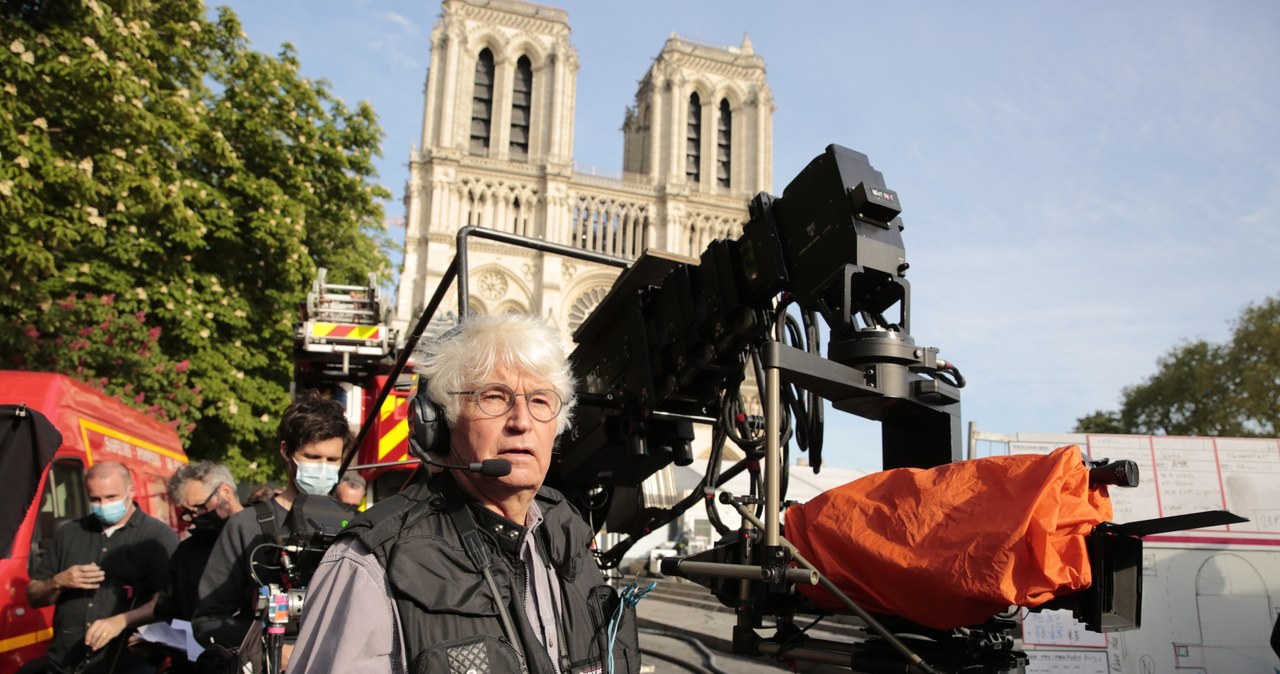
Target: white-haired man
point(470, 567)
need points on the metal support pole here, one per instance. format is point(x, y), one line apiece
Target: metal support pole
point(772, 454)
point(678, 566)
point(401, 360)
point(914, 660)
point(773, 432)
point(460, 256)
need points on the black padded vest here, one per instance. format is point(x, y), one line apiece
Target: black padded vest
point(448, 618)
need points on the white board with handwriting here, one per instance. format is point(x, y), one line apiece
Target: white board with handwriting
point(1189, 475)
point(1210, 595)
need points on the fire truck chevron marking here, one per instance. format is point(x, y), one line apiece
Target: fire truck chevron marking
point(394, 438)
point(390, 405)
point(345, 330)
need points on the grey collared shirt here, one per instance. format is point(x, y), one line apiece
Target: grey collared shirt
point(542, 592)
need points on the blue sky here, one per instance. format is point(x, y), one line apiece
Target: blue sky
point(1085, 185)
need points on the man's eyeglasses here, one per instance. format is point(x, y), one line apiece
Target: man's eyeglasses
point(496, 400)
point(189, 514)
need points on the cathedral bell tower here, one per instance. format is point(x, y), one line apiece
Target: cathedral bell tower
point(702, 119)
point(497, 144)
point(497, 153)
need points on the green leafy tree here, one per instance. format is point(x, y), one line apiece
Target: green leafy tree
point(144, 376)
point(1226, 390)
point(149, 156)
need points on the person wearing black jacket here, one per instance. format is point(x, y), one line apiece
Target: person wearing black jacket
point(205, 494)
point(313, 434)
point(102, 574)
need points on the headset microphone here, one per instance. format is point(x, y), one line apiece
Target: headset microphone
point(429, 435)
point(487, 468)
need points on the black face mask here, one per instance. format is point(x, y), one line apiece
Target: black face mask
point(208, 523)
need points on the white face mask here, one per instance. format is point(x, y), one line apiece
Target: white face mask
point(316, 479)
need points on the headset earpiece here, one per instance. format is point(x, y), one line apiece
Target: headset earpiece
point(428, 431)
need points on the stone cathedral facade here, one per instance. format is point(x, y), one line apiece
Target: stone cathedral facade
point(497, 153)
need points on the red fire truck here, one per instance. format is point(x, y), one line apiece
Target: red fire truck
point(343, 345)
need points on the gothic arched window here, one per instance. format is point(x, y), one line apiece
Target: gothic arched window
point(724, 142)
point(582, 307)
point(693, 141)
point(521, 103)
point(482, 103)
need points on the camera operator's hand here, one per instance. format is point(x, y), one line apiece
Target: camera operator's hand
point(285, 651)
point(80, 577)
point(101, 632)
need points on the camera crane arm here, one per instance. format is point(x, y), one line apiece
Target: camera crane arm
point(671, 337)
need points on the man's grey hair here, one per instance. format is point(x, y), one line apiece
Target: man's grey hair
point(463, 357)
point(354, 479)
point(207, 472)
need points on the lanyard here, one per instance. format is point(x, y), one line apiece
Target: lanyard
point(473, 543)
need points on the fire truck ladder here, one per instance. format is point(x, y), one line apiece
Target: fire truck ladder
point(342, 336)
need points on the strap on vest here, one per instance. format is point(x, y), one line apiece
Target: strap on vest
point(267, 521)
point(465, 523)
point(298, 523)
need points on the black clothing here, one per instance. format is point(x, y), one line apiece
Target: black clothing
point(135, 559)
point(178, 598)
point(227, 594)
point(446, 609)
point(27, 444)
point(227, 603)
point(1275, 637)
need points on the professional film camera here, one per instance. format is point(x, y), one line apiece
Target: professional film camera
point(668, 346)
point(674, 344)
point(315, 522)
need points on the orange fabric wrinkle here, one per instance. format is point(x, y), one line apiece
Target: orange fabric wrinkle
point(954, 545)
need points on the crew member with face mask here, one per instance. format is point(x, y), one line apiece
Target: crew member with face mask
point(313, 434)
point(102, 573)
point(205, 494)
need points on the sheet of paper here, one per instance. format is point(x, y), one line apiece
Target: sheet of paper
point(177, 634)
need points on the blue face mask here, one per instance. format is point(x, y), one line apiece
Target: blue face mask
point(316, 479)
point(110, 512)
